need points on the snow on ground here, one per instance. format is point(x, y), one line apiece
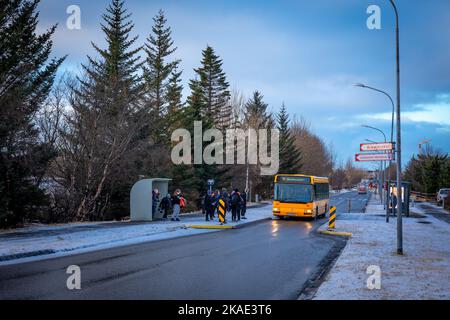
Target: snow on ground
point(38, 242)
point(422, 273)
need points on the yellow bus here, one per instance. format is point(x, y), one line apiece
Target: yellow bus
point(301, 196)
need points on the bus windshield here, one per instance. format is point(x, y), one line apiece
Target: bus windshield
point(294, 193)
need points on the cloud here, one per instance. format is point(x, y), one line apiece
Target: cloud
point(436, 112)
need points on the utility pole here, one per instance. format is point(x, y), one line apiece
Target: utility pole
point(399, 139)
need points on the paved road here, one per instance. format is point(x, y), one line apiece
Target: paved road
point(269, 260)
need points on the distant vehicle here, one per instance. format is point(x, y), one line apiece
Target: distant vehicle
point(443, 193)
point(301, 196)
point(362, 189)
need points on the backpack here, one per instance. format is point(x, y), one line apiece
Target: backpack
point(182, 202)
point(235, 199)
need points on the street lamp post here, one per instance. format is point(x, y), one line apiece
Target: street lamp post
point(399, 137)
point(399, 140)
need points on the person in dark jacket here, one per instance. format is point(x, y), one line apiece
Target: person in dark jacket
point(394, 203)
point(155, 201)
point(235, 205)
point(226, 197)
point(244, 204)
point(166, 205)
point(209, 207)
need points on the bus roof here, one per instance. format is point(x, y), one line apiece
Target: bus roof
point(313, 178)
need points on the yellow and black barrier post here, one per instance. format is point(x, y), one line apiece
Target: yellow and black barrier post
point(332, 221)
point(221, 211)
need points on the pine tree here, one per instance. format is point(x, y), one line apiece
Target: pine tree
point(215, 89)
point(26, 77)
point(175, 105)
point(107, 117)
point(161, 76)
point(114, 77)
point(290, 156)
point(257, 117)
point(256, 113)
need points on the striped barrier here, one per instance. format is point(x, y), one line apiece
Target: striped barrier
point(221, 211)
point(332, 221)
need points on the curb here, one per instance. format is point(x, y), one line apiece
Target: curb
point(224, 227)
point(210, 227)
point(335, 233)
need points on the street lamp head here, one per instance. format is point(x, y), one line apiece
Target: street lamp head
point(360, 85)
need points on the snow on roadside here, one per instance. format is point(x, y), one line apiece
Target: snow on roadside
point(422, 273)
point(65, 239)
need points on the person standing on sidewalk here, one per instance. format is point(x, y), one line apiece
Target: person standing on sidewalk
point(244, 205)
point(235, 205)
point(155, 202)
point(178, 202)
point(225, 196)
point(210, 206)
point(166, 205)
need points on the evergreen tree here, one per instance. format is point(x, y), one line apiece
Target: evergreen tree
point(107, 119)
point(256, 113)
point(26, 77)
point(175, 105)
point(161, 76)
point(215, 89)
point(257, 117)
point(290, 156)
point(112, 81)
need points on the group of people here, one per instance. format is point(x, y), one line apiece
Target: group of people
point(175, 202)
point(235, 202)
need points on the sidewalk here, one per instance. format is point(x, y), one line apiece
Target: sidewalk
point(38, 242)
point(422, 273)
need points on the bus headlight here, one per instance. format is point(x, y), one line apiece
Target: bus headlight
point(308, 211)
point(276, 210)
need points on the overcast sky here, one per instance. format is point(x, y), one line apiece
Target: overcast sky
point(305, 53)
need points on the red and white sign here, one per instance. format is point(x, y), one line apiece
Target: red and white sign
point(385, 146)
point(369, 157)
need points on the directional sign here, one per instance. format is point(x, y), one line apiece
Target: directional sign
point(385, 146)
point(369, 157)
point(211, 182)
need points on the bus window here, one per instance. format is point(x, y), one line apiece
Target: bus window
point(294, 193)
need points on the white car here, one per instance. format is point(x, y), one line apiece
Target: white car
point(443, 193)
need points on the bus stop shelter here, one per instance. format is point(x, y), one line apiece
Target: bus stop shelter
point(141, 200)
point(406, 194)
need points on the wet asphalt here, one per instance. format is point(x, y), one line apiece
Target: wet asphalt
point(265, 261)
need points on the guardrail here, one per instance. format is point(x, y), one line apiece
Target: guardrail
point(423, 197)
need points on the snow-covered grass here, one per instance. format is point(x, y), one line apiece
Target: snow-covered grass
point(423, 272)
point(82, 237)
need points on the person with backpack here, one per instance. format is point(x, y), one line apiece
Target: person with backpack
point(166, 205)
point(235, 205)
point(244, 205)
point(178, 202)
